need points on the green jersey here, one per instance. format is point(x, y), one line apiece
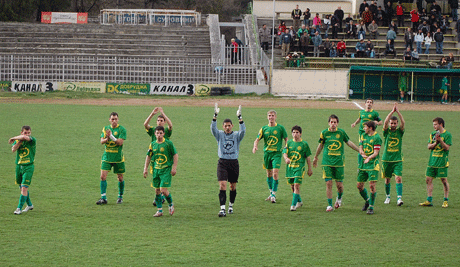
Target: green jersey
point(366, 116)
point(402, 83)
point(151, 132)
point(161, 154)
point(113, 153)
point(444, 83)
point(26, 151)
point(333, 154)
point(370, 143)
point(273, 137)
point(392, 151)
point(439, 158)
point(297, 152)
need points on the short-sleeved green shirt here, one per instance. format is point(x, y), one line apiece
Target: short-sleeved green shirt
point(402, 83)
point(443, 83)
point(161, 154)
point(392, 151)
point(366, 116)
point(333, 142)
point(370, 144)
point(113, 153)
point(151, 133)
point(297, 152)
point(439, 158)
point(26, 151)
point(273, 137)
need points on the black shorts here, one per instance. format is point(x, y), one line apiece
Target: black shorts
point(228, 170)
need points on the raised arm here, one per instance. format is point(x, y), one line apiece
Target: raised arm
point(147, 121)
point(387, 119)
point(403, 122)
point(167, 120)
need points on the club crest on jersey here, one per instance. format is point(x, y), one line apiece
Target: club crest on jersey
point(115, 133)
point(299, 148)
point(162, 149)
point(337, 136)
point(369, 116)
point(275, 132)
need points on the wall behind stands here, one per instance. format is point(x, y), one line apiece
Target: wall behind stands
point(264, 9)
point(318, 83)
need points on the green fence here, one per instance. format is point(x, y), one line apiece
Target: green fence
point(382, 83)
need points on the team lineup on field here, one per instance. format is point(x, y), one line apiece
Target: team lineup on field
point(162, 158)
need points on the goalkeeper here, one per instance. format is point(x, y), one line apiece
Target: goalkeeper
point(228, 169)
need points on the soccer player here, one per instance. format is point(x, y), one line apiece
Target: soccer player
point(24, 145)
point(273, 134)
point(295, 154)
point(113, 136)
point(392, 153)
point(439, 144)
point(161, 120)
point(369, 168)
point(402, 86)
point(228, 169)
point(365, 115)
point(163, 157)
point(444, 89)
point(332, 140)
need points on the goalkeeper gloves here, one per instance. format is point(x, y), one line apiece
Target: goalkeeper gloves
point(216, 110)
point(238, 112)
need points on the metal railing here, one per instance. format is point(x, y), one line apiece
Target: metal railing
point(124, 69)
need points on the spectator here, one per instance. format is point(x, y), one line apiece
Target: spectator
point(458, 30)
point(347, 20)
point(373, 29)
point(391, 35)
point(424, 27)
point(418, 39)
point(335, 26)
point(407, 55)
point(360, 49)
point(394, 26)
point(234, 52)
point(409, 38)
point(362, 8)
point(264, 37)
point(454, 6)
point(327, 47)
point(370, 49)
point(400, 14)
point(312, 31)
point(419, 4)
point(350, 30)
point(432, 19)
point(327, 24)
point(423, 15)
point(281, 30)
point(301, 31)
point(361, 28)
point(341, 49)
point(367, 16)
point(317, 21)
point(381, 17)
point(333, 52)
point(317, 41)
point(389, 12)
point(436, 10)
point(373, 9)
point(442, 63)
point(444, 24)
point(450, 61)
point(389, 49)
point(293, 34)
point(285, 43)
point(304, 42)
point(306, 17)
point(295, 14)
point(415, 55)
point(428, 40)
point(339, 15)
point(240, 49)
point(439, 39)
point(434, 28)
point(414, 19)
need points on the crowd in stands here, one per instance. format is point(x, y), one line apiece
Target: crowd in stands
point(426, 26)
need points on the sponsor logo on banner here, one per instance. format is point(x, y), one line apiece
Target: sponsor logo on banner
point(214, 89)
point(33, 86)
point(5, 86)
point(128, 88)
point(202, 90)
point(172, 89)
point(64, 17)
point(93, 87)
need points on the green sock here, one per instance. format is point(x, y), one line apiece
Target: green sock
point(29, 203)
point(298, 198)
point(399, 188)
point(364, 194)
point(103, 189)
point(329, 201)
point(446, 199)
point(22, 200)
point(388, 188)
point(295, 198)
point(121, 188)
point(372, 199)
point(270, 183)
point(339, 195)
point(158, 201)
point(275, 185)
point(169, 199)
point(429, 199)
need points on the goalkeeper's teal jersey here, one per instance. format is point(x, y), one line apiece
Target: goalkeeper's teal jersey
point(273, 137)
point(26, 151)
point(113, 153)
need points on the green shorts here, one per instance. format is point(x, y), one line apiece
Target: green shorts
point(297, 180)
point(24, 174)
point(436, 172)
point(336, 173)
point(390, 168)
point(162, 177)
point(272, 160)
point(117, 167)
point(403, 89)
point(443, 91)
point(367, 176)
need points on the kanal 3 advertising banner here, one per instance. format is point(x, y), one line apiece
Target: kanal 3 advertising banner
point(171, 89)
point(33, 86)
point(93, 87)
point(64, 17)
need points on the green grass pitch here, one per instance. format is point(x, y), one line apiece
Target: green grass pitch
point(66, 228)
